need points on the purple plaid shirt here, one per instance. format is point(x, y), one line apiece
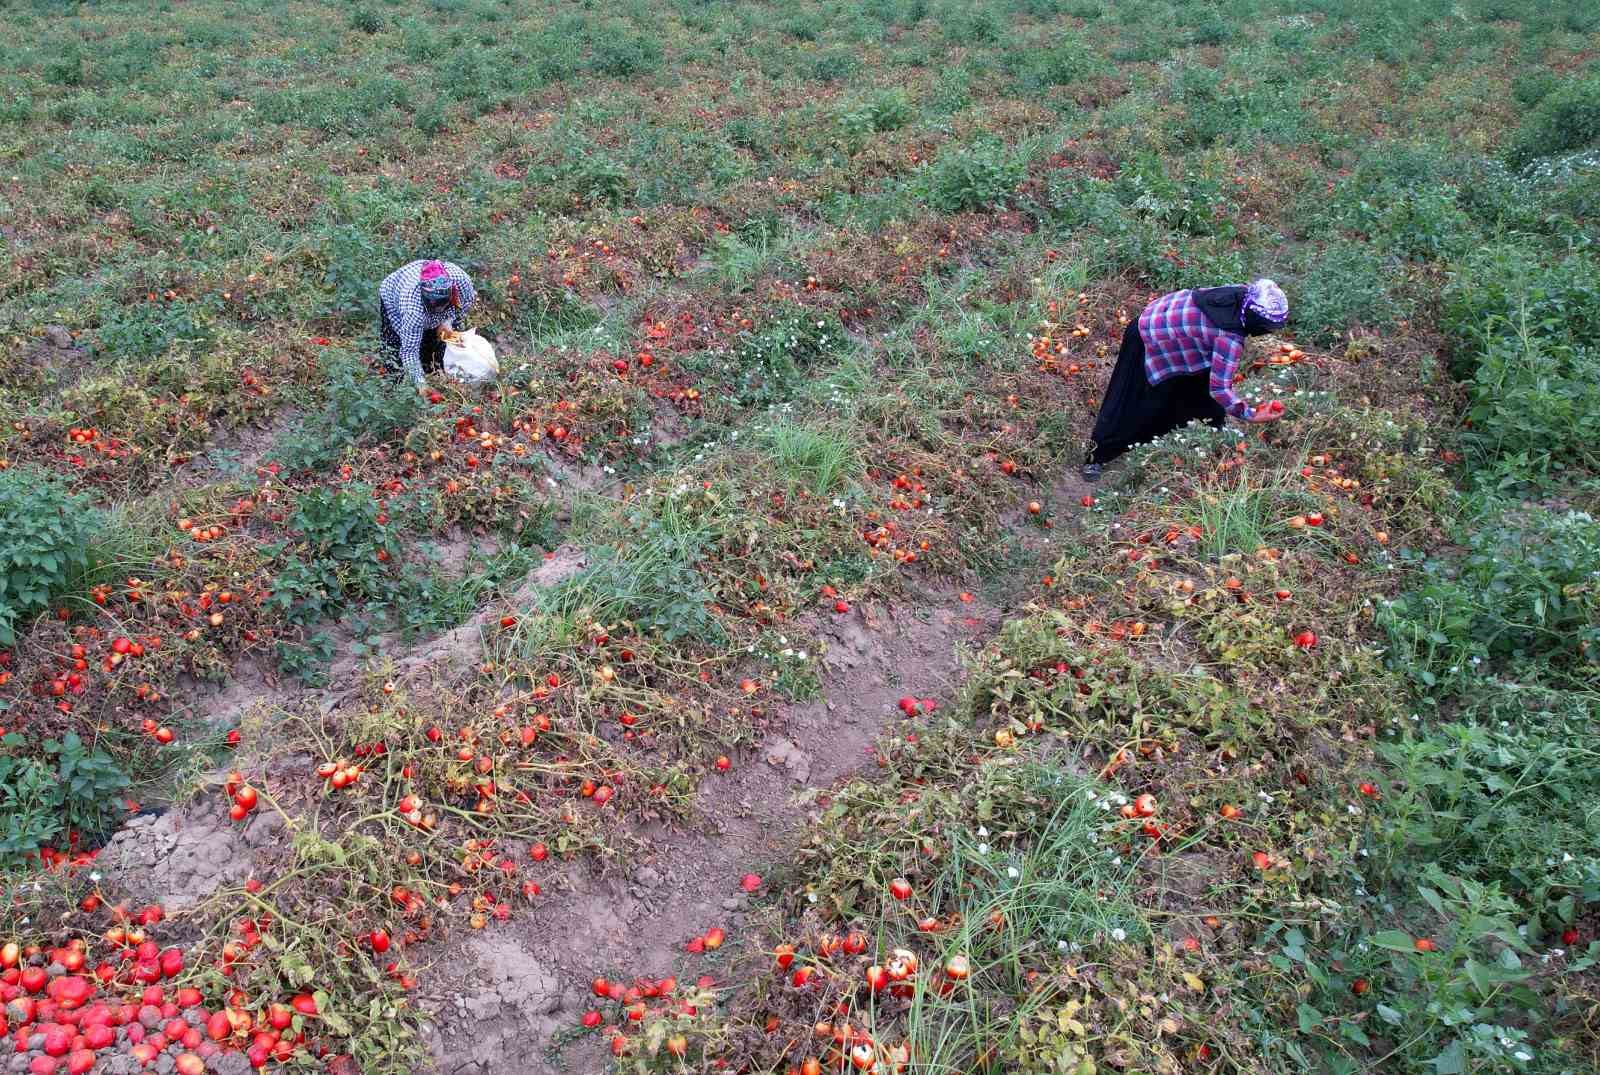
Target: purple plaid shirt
point(1179, 339)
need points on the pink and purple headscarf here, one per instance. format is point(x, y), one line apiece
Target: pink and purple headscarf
point(436, 284)
point(1266, 300)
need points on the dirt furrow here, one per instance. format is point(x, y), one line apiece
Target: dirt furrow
point(515, 993)
point(514, 988)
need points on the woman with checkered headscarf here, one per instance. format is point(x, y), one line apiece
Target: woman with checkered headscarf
point(1177, 365)
point(414, 302)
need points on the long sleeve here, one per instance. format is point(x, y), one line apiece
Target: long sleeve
point(1225, 356)
point(410, 331)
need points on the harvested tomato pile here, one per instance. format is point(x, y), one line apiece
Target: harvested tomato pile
point(85, 1003)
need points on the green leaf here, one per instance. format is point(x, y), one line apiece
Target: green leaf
point(1390, 1015)
point(1394, 941)
point(296, 969)
point(1452, 1061)
point(1480, 977)
point(1512, 939)
point(1309, 1018)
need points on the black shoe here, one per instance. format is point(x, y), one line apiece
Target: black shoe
point(1091, 472)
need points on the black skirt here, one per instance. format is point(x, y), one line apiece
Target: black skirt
point(1136, 411)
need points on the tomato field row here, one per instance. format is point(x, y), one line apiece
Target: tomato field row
point(746, 680)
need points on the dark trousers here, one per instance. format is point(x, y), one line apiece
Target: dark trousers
point(1136, 411)
point(431, 356)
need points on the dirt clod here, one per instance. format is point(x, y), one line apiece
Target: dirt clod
point(782, 754)
point(493, 1027)
point(182, 856)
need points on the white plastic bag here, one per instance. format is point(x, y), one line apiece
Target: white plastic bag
point(471, 359)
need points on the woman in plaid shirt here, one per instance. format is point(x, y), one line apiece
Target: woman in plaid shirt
point(414, 302)
point(1177, 365)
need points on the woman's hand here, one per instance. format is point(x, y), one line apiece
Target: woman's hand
point(1267, 412)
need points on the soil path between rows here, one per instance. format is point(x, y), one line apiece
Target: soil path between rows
point(507, 1000)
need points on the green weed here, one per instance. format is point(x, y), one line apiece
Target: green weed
point(1524, 596)
point(47, 537)
point(64, 787)
point(1565, 119)
point(820, 460)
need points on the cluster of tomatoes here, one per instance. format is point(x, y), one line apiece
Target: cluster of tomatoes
point(69, 1012)
point(339, 774)
point(1143, 810)
point(653, 1016)
point(885, 536)
point(909, 493)
point(485, 860)
point(201, 533)
point(469, 469)
point(74, 672)
point(91, 670)
point(100, 448)
point(265, 1032)
point(839, 1046)
point(1059, 347)
point(243, 797)
point(709, 941)
point(593, 264)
